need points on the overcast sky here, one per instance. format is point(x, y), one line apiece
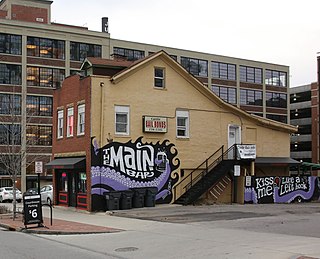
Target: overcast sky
point(285, 32)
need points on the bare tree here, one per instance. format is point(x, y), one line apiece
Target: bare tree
point(12, 153)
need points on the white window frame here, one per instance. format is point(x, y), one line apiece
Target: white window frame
point(122, 110)
point(81, 119)
point(159, 78)
point(185, 116)
point(70, 114)
point(60, 124)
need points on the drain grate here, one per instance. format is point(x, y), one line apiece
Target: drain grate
point(126, 249)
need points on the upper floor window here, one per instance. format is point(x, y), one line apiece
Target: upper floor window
point(223, 70)
point(70, 120)
point(45, 77)
point(10, 104)
point(46, 48)
point(127, 54)
point(10, 44)
point(276, 78)
point(79, 51)
point(10, 134)
point(60, 124)
point(174, 57)
point(39, 105)
point(39, 135)
point(277, 117)
point(228, 94)
point(182, 124)
point(159, 80)
point(122, 120)
point(278, 100)
point(10, 74)
point(81, 119)
point(250, 97)
point(250, 75)
point(196, 67)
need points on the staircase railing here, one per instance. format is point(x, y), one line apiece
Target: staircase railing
point(194, 176)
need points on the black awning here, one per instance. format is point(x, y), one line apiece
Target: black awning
point(276, 161)
point(67, 163)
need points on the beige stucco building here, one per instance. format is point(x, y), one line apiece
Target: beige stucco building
point(150, 124)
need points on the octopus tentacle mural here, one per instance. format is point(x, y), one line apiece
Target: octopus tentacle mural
point(304, 193)
point(121, 166)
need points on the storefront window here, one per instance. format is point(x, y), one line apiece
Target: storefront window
point(82, 184)
point(63, 182)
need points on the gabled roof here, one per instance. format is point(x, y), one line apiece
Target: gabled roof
point(203, 89)
point(102, 62)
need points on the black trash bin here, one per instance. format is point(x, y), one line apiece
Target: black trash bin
point(138, 197)
point(150, 198)
point(126, 200)
point(113, 200)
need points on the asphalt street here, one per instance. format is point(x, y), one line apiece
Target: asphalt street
point(281, 231)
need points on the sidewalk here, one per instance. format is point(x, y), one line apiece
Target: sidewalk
point(58, 227)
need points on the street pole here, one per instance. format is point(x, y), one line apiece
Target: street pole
point(23, 153)
point(38, 183)
point(38, 170)
point(318, 117)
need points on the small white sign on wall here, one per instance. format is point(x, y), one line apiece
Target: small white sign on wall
point(155, 124)
point(248, 181)
point(237, 170)
point(247, 151)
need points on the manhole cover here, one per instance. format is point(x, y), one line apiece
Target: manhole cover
point(126, 249)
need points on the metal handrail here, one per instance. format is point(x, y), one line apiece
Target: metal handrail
point(207, 167)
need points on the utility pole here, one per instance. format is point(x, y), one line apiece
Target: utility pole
point(318, 130)
point(24, 117)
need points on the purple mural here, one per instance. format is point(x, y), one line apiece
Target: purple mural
point(121, 166)
point(274, 189)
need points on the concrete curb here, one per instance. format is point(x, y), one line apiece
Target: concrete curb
point(61, 232)
point(55, 232)
point(9, 227)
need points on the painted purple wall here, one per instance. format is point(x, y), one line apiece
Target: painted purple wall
point(121, 166)
point(275, 189)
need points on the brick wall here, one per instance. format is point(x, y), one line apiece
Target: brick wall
point(73, 91)
point(29, 14)
point(3, 14)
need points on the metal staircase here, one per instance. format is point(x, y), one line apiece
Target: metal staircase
point(206, 175)
point(219, 187)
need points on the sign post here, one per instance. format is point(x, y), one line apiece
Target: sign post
point(38, 171)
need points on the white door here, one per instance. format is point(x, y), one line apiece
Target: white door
point(234, 137)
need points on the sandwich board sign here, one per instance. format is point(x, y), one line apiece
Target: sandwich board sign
point(32, 209)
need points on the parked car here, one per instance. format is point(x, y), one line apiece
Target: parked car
point(32, 191)
point(6, 194)
point(46, 192)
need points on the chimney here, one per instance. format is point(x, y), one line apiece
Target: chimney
point(105, 25)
